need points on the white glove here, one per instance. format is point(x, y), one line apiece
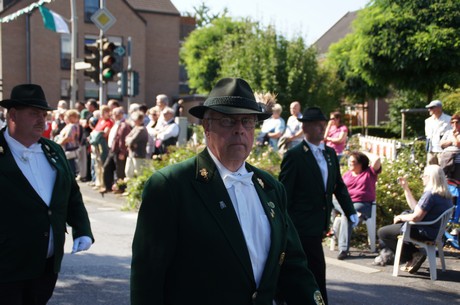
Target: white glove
point(81, 243)
point(354, 219)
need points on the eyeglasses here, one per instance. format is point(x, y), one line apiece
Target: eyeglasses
point(248, 123)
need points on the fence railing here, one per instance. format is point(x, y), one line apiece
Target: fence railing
point(382, 147)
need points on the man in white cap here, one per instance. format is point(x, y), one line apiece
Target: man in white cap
point(435, 127)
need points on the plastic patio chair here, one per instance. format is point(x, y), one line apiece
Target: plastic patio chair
point(429, 246)
point(371, 225)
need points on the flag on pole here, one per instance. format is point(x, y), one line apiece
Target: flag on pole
point(53, 21)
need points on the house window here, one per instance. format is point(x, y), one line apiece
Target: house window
point(91, 90)
point(66, 50)
point(91, 6)
point(65, 88)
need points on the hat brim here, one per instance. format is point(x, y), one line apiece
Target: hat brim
point(198, 111)
point(313, 119)
point(11, 103)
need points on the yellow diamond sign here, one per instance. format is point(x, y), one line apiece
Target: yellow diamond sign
point(103, 19)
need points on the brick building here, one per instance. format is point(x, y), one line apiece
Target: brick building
point(31, 53)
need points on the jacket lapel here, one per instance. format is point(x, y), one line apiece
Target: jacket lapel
point(330, 169)
point(11, 170)
point(215, 197)
point(309, 160)
point(53, 158)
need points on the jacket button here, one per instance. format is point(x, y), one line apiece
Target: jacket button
point(45, 234)
point(254, 295)
point(50, 212)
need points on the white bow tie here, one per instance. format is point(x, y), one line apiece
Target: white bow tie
point(35, 148)
point(231, 180)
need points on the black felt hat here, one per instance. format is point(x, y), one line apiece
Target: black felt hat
point(312, 114)
point(232, 96)
point(28, 95)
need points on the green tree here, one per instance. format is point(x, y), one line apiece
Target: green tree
point(411, 45)
point(267, 60)
point(202, 51)
point(203, 15)
point(341, 57)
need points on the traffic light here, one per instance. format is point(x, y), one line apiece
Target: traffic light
point(92, 57)
point(123, 83)
point(134, 83)
point(108, 60)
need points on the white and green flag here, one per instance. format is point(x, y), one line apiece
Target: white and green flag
point(53, 21)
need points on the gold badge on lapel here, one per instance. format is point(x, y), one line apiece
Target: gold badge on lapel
point(272, 213)
point(305, 148)
point(204, 173)
point(318, 298)
point(1, 150)
point(282, 256)
point(260, 182)
point(271, 204)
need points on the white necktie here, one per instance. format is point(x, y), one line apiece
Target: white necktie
point(322, 164)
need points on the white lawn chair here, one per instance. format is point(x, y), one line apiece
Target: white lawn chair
point(371, 225)
point(429, 246)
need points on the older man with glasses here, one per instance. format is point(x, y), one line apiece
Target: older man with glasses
point(214, 229)
point(435, 127)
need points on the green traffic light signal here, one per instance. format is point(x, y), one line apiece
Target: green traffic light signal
point(108, 60)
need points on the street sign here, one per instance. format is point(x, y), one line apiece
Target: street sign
point(120, 51)
point(103, 19)
point(81, 65)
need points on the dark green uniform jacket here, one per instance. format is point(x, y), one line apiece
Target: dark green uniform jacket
point(25, 219)
point(309, 203)
point(189, 247)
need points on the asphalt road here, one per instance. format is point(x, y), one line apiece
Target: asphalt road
point(101, 275)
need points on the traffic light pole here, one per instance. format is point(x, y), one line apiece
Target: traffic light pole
point(129, 65)
point(73, 76)
point(102, 95)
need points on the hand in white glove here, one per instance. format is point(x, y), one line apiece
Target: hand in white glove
point(81, 243)
point(354, 219)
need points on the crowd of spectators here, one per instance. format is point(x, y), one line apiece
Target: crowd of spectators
point(106, 144)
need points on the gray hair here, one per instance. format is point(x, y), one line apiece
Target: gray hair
point(164, 98)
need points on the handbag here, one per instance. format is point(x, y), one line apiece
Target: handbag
point(71, 154)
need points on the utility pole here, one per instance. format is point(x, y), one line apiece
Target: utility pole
point(102, 95)
point(130, 68)
point(73, 72)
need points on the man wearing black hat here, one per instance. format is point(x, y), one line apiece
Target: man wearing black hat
point(214, 229)
point(310, 172)
point(39, 196)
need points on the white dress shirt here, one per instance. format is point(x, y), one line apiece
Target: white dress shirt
point(318, 152)
point(35, 167)
point(435, 129)
point(252, 217)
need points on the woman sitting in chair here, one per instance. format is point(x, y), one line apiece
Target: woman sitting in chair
point(360, 180)
point(435, 199)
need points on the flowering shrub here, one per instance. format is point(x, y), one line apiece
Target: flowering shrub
point(261, 157)
point(390, 195)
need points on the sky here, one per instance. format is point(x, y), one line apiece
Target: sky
point(307, 18)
